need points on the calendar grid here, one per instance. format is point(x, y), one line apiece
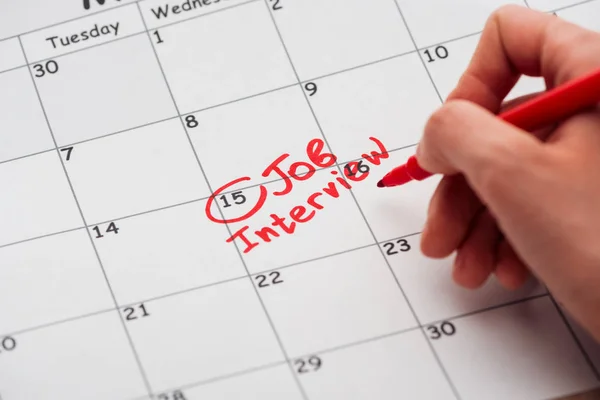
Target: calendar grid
point(319, 351)
point(412, 39)
point(354, 344)
point(80, 210)
point(248, 274)
point(356, 67)
point(327, 144)
point(154, 210)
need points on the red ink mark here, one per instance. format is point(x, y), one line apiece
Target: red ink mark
point(261, 201)
point(286, 179)
point(375, 157)
point(323, 160)
point(265, 232)
point(299, 171)
point(280, 222)
point(332, 190)
point(307, 175)
point(312, 200)
point(240, 235)
point(299, 211)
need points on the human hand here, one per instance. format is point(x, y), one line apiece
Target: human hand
point(514, 203)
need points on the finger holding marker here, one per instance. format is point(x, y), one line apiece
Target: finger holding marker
point(539, 189)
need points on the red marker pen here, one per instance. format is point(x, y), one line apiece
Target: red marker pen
point(543, 110)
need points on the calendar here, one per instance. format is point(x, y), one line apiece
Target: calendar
point(188, 207)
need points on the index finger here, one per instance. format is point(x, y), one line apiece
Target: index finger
point(519, 41)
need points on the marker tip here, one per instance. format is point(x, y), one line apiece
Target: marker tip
point(380, 184)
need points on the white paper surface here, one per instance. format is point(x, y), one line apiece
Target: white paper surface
point(129, 130)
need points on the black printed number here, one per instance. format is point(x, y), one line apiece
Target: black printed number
point(7, 344)
point(311, 87)
point(67, 151)
point(397, 247)
point(133, 313)
point(237, 198)
point(276, 5)
point(306, 365)
point(191, 122)
point(439, 52)
point(112, 228)
point(50, 67)
point(274, 278)
point(158, 38)
point(176, 395)
point(354, 167)
point(436, 332)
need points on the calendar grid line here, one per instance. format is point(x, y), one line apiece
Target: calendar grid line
point(110, 289)
point(320, 351)
point(414, 42)
point(93, 46)
point(584, 353)
point(352, 344)
point(13, 68)
point(41, 237)
point(225, 9)
point(37, 153)
point(572, 5)
point(249, 275)
point(347, 345)
point(407, 300)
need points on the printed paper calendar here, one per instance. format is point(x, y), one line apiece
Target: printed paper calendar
point(188, 207)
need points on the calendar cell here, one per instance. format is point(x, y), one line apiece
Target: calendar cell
point(82, 33)
point(205, 334)
point(391, 101)
point(36, 199)
point(524, 351)
point(89, 357)
point(103, 90)
point(166, 252)
point(585, 15)
point(275, 383)
point(401, 366)
point(296, 227)
point(252, 134)
point(357, 297)
point(158, 13)
point(436, 21)
point(393, 213)
point(50, 279)
point(421, 276)
point(228, 66)
point(22, 123)
point(551, 5)
point(133, 172)
point(11, 54)
point(329, 36)
point(447, 63)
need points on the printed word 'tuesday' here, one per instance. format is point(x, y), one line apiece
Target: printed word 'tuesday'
point(353, 172)
point(94, 32)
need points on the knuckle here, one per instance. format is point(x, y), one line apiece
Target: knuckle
point(501, 163)
point(503, 12)
point(445, 118)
